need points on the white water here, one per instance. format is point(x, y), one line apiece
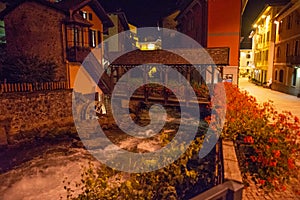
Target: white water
point(42, 178)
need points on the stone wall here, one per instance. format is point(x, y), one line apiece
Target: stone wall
point(33, 29)
point(24, 116)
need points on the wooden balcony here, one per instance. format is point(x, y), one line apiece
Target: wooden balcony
point(77, 53)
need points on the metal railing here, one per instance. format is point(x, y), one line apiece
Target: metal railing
point(230, 190)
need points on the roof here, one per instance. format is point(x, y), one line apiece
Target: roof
point(185, 6)
point(218, 56)
point(67, 7)
point(74, 5)
point(287, 9)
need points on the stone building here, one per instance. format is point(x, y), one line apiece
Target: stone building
point(64, 32)
point(209, 23)
point(286, 71)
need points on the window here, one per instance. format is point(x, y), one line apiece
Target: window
point(266, 55)
point(248, 56)
point(281, 76)
point(280, 27)
point(99, 37)
point(278, 52)
point(276, 74)
point(287, 51)
point(77, 37)
point(92, 38)
point(289, 22)
point(83, 14)
point(90, 16)
point(296, 49)
point(268, 36)
point(294, 78)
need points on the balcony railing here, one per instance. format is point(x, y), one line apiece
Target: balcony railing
point(77, 53)
point(293, 59)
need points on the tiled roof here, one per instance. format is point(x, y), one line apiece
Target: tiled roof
point(217, 56)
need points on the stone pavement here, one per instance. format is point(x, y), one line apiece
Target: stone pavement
point(282, 102)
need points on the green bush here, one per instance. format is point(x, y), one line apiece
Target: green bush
point(28, 69)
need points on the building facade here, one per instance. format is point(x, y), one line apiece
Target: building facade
point(224, 30)
point(120, 24)
point(64, 32)
point(209, 23)
point(246, 62)
point(286, 71)
point(192, 20)
point(263, 41)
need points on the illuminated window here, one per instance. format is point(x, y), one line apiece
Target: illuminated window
point(92, 38)
point(83, 14)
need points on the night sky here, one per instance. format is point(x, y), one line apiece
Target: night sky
point(141, 13)
point(148, 12)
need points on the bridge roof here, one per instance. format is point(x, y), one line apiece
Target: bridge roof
point(217, 56)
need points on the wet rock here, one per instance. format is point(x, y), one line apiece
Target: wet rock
point(148, 146)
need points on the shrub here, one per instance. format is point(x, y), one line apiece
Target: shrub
point(28, 69)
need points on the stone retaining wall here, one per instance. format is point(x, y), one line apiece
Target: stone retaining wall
point(24, 116)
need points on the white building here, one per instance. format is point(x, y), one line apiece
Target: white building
point(246, 62)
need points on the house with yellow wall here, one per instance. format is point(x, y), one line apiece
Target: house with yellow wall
point(263, 42)
point(64, 32)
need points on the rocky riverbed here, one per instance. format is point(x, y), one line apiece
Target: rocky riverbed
point(36, 170)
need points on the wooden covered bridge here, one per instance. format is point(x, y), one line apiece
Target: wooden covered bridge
point(199, 69)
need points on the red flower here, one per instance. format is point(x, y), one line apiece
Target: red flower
point(262, 182)
point(276, 153)
point(273, 163)
point(273, 140)
point(253, 158)
point(249, 139)
point(291, 163)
